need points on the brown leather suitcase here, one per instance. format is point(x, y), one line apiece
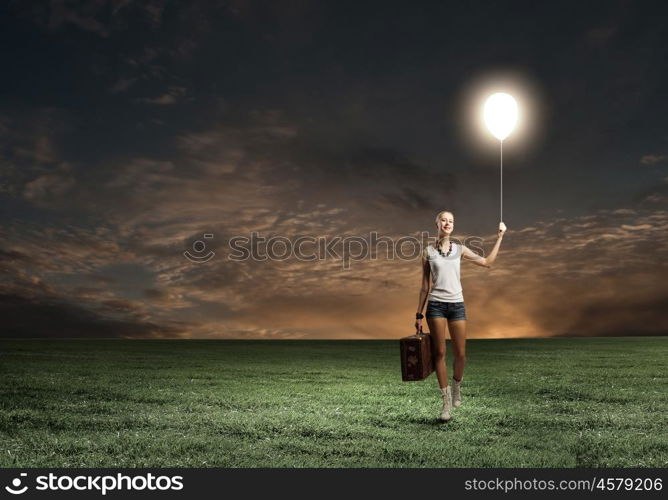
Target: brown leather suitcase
point(416, 360)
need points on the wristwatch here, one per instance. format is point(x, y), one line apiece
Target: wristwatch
point(418, 316)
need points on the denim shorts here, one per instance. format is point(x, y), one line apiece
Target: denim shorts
point(452, 311)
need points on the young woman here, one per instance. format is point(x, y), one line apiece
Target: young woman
point(445, 309)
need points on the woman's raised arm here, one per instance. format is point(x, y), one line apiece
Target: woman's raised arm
point(481, 261)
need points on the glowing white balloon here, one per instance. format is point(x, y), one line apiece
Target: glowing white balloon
point(500, 115)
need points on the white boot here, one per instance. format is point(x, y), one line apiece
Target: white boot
point(447, 403)
point(456, 392)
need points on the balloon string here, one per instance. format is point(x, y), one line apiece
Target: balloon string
point(501, 181)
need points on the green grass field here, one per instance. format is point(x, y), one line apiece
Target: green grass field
point(139, 403)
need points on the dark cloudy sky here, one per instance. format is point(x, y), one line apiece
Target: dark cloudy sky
point(129, 129)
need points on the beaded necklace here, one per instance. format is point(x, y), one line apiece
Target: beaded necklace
point(440, 250)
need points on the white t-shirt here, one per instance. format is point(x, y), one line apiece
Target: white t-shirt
point(445, 276)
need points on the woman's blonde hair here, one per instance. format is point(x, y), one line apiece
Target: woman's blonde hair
point(438, 216)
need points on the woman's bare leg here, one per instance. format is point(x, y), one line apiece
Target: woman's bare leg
point(437, 330)
point(458, 337)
